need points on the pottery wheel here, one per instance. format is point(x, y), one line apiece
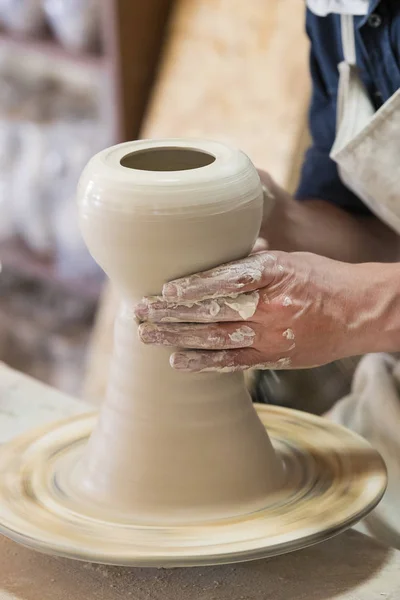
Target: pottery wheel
point(333, 479)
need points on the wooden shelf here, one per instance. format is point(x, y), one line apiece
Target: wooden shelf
point(16, 257)
point(50, 47)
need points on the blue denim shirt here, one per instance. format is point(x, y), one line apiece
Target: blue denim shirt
point(378, 59)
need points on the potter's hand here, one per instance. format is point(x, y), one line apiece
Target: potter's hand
point(313, 226)
point(271, 310)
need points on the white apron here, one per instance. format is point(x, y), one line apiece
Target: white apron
point(367, 145)
point(367, 151)
point(372, 409)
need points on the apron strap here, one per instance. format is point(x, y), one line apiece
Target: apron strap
point(348, 39)
point(354, 108)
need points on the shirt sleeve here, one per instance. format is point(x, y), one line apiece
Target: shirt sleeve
point(319, 177)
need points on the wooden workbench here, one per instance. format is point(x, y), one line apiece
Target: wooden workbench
point(348, 567)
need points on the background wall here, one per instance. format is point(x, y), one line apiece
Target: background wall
point(74, 78)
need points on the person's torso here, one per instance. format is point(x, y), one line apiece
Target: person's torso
point(377, 47)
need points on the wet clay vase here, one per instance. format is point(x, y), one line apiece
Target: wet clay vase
point(171, 447)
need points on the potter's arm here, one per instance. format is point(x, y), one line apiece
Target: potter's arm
point(320, 227)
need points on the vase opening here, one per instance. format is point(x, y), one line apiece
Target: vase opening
point(167, 159)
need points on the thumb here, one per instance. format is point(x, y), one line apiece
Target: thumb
point(260, 245)
point(246, 275)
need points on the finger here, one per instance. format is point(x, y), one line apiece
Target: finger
point(219, 310)
point(260, 246)
point(246, 275)
point(226, 361)
point(205, 337)
point(270, 188)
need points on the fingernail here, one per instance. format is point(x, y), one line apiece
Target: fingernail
point(171, 291)
point(181, 362)
point(147, 333)
point(141, 311)
point(197, 362)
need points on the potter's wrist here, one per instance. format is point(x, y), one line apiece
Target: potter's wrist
point(388, 322)
point(375, 309)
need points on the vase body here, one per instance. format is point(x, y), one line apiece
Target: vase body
point(171, 447)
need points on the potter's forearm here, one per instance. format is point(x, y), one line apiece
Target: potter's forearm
point(319, 227)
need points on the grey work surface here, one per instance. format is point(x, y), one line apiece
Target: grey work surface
point(348, 567)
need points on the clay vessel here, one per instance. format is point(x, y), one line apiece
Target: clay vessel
point(171, 447)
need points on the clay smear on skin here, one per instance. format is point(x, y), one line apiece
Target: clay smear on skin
point(287, 301)
point(208, 310)
point(288, 334)
point(233, 277)
point(243, 335)
point(170, 336)
point(244, 304)
point(195, 361)
point(198, 336)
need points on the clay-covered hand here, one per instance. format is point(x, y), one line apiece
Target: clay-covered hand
point(272, 310)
